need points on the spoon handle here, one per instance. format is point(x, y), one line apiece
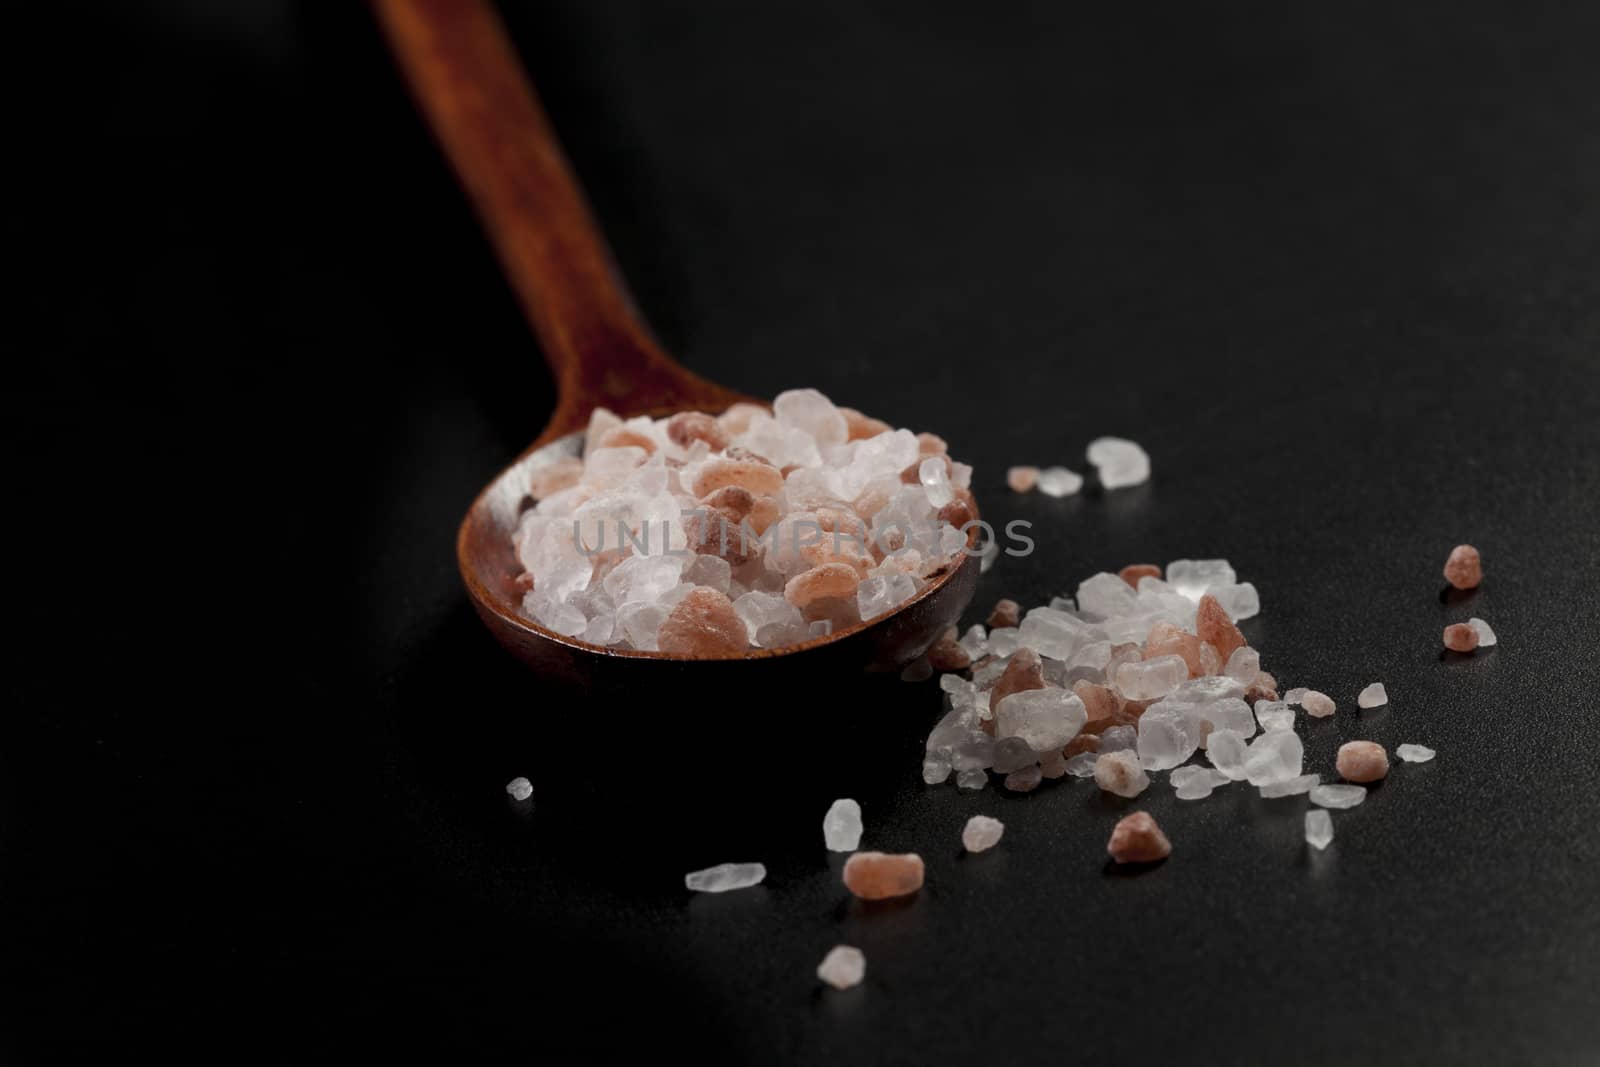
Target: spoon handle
point(465, 76)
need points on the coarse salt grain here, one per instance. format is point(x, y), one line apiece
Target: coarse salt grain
point(881, 875)
point(726, 877)
point(1464, 568)
point(1415, 753)
point(843, 967)
point(1362, 761)
point(519, 788)
point(1319, 829)
point(1373, 696)
point(981, 833)
point(1022, 479)
point(1460, 637)
point(1137, 839)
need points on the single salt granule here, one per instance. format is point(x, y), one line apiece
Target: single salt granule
point(935, 770)
point(972, 778)
point(1120, 462)
point(1460, 637)
point(1118, 772)
point(1464, 568)
point(1295, 695)
point(1486, 635)
point(725, 877)
point(1338, 796)
point(1415, 753)
point(1275, 715)
point(1006, 614)
point(1319, 829)
point(519, 788)
point(841, 827)
point(981, 833)
point(1317, 705)
point(1024, 781)
point(1292, 787)
point(1373, 696)
point(843, 967)
point(1137, 839)
point(1058, 481)
point(1134, 571)
point(1362, 761)
point(947, 654)
point(1022, 479)
point(881, 875)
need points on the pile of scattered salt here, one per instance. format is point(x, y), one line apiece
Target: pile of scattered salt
point(707, 536)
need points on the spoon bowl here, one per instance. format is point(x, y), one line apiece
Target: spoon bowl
point(466, 78)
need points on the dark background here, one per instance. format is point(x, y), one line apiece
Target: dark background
point(1335, 266)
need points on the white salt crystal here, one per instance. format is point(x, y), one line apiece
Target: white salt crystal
point(935, 770)
point(981, 832)
point(936, 481)
point(1243, 665)
point(1118, 738)
point(1295, 695)
point(1319, 829)
point(843, 967)
point(1415, 753)
point(1373, 696)
point(1317, 705)
point(1230, 713)
point(726, 876)
point(975, 642)
point(1165, 738)
point(1151, 678)
point(1106, 595)
point(1120, 773)
point(1195, 577)
point(1058, 481)
point(809, 411)
point(1226, 751)
point(1239, 601)
point(1082, 765)
point(972, 779)
point(1338, 796)
point(1044, 718)
point(522, 789)
point(841, 827)
point(1486, 635)
point(1275, 715)
point(987, 555)
point(1119, 462)
point(708, 570)
point(1192, 783)
point(1292, 787)
point(1273, 757)
point(1207, 690)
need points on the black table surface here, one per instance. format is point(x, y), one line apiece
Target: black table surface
point(1337, 267)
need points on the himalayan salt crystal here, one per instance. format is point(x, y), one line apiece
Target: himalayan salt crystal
point(1006, 613)
point(755, 476)
point(981, 833)
point(1193, 783)
point(551, 478)
point(1460, 637)
point(972, 778)
point(737, 419)
point(1022, 479)
point(1275, 756)
point(687, 427)
point(843, 967)
point(1415, 753)
point(522, 789)
point(1240, 601)
point(1167, 640)
point(931, 444)
point(1362, 761)
point(841, 827)
point(1045, 718)
point(1098, 701)
point(881, 875)
point(1486, 635)
point(1025, 671)
point(861, 427)
point(1210, 662)
point(1137, 839)
point(1117, 738)
point(1120, 773)
point(725, 877)
point(1023, 781)
point(1243, 665)
point(947, 654)
point(1464, 568)
point(1373, 696)
point(1226, 751)
point(810, 411)
point(1082, 765)
point(1317, 705)
point(1275, 715)
point(1059, 482)
point(1053, 765)
point(1081, 743)
point(1152, 678)
point(1166, 737)
point(1214, 628)
point(1295, 695)
point(934, 473)
point(935, 770)
point(1319, 829)
point(836, 580)
point(1338, 796)
point(1134, 571)
point(704, 626)
point(1013, 754)
point(1291, 787)
point(1193, 578)
point(1120, 463)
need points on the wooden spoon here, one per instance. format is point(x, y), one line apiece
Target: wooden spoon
point(467, 80)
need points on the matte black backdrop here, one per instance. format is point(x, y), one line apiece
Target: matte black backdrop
point(1334, 265)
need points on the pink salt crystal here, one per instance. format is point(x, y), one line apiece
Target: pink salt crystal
point(1080, 744)
point(862, 426)
point(1167, 640)
point(1460, 637)
point(523, 583)
point(624, 436)
point(948, 655)
point(763, 513)
point(1022, 479)
point(1024, 781)
point(1137, 839)
point(1464, 568)
point(714, 532)
point(881, 875)
point(736, 419)
point(687, 427)
point(1210, 662)
point(1362, 761)
point(1005, 613)
point(732, 500)
point(1317, 705)
point(931, 444)
point(838, 580)
point(756, 475)
point(1025, 671)
point(1213, 626)
point(550, 479)
point(704, 626)
point(1098, 701)
point(1134, 571)
point(960, 511)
